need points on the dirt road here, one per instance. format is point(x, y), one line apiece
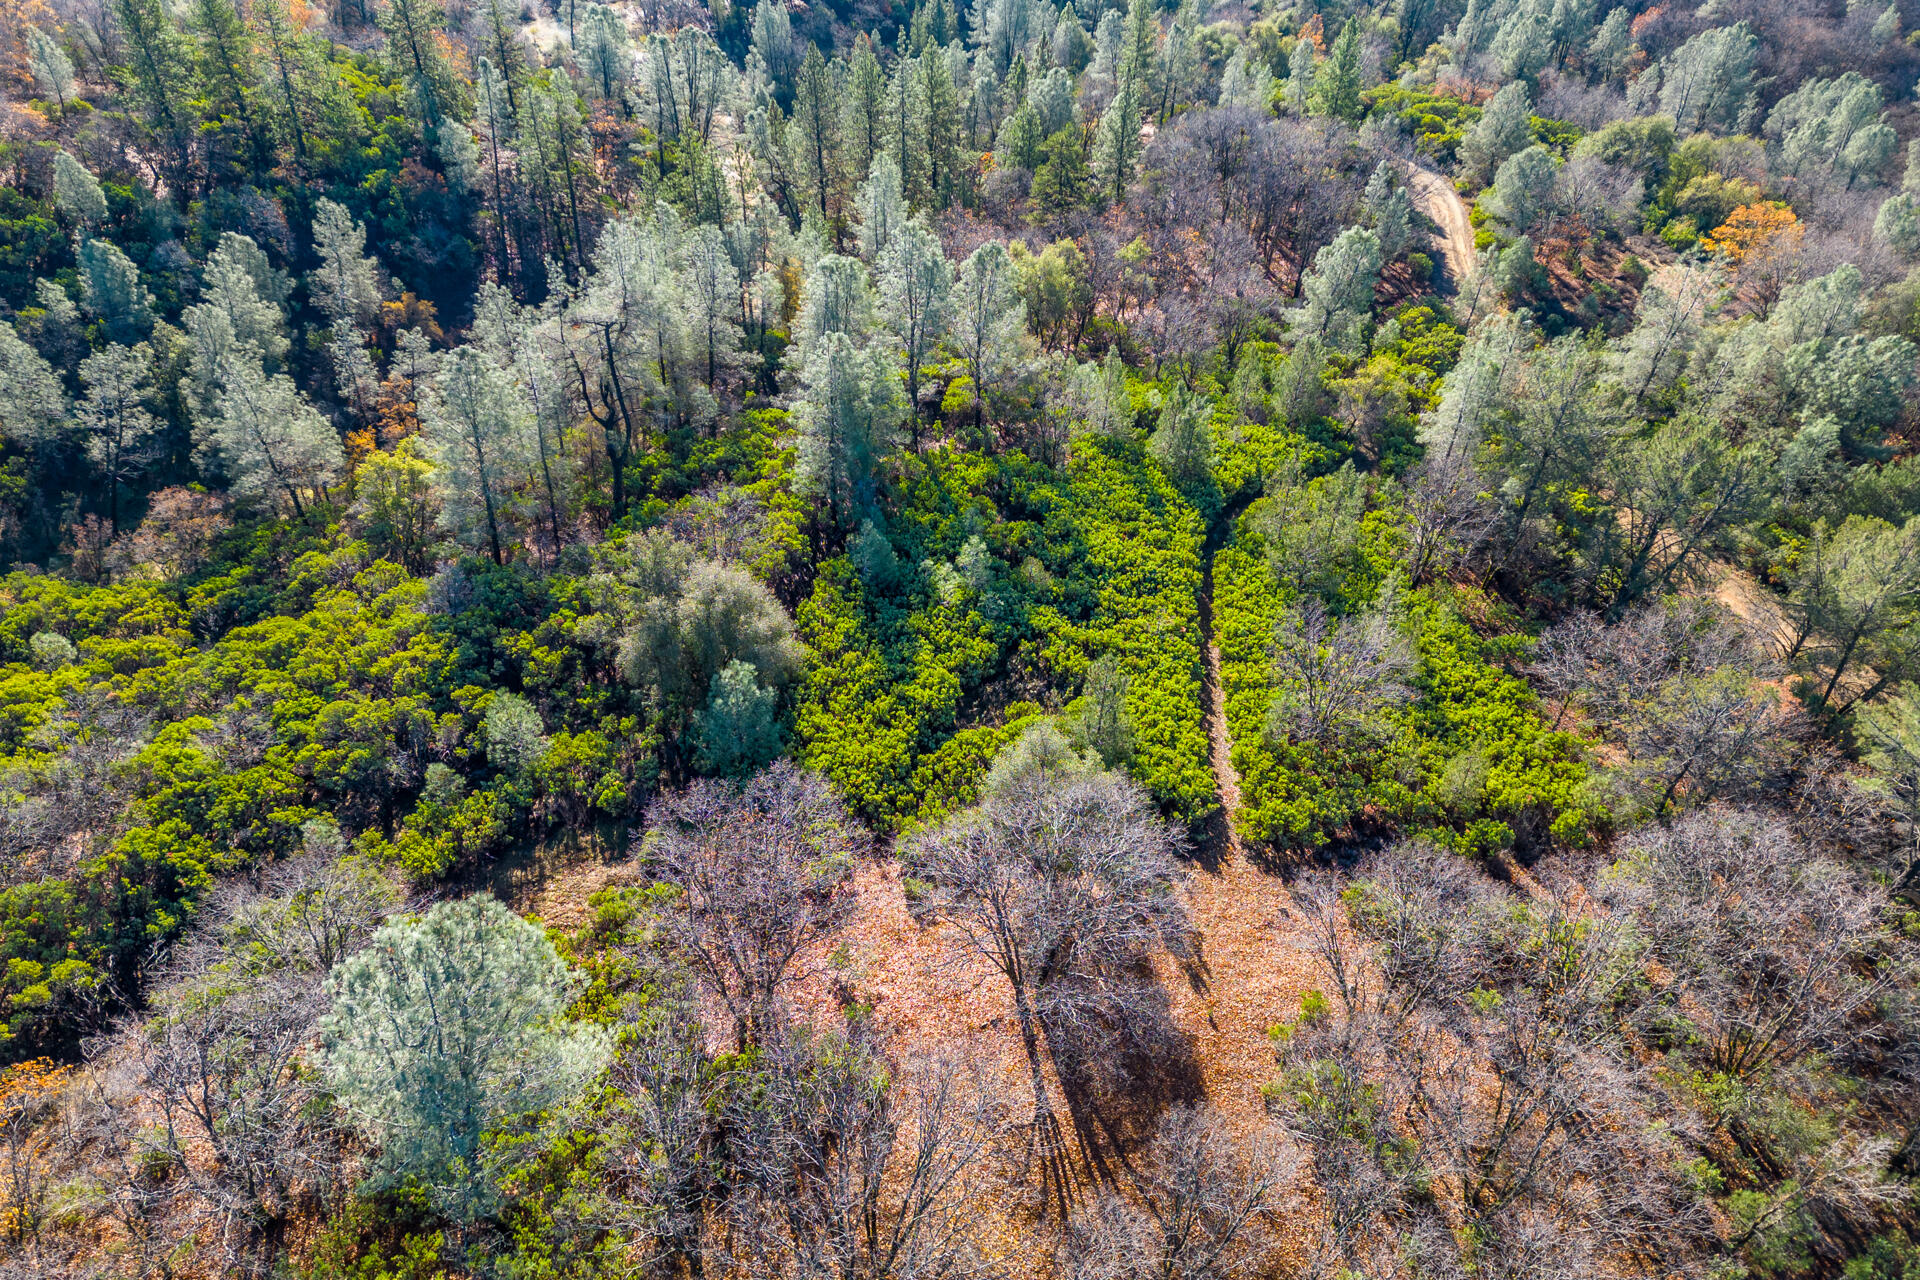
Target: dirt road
point(1434, 196)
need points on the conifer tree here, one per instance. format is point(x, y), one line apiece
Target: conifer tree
point(814, 132)
point(413, 47)
point(1301, 73)
point(1503, 128)
point(478, 432)
point(1116, 145)
point(112, 420)
point(268, 439)
point(33, 405)
point(864, 123)
point(916, 286)
point(837, 298)
point(849, 418)
point(111, 292)
point(1337, 293)
point(602, 50)
point(229, 73)
point(161, 64)
point(445, 1023)
point(1336, 85)
point(76, 191)
point(989, 321)
point(883, 208)
point(52, 69)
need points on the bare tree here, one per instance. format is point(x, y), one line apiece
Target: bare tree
point(1202, 1206)
point(1337, 677)
point(763, 866)
point(1681, 688)
point(854, 1172)
point(1062, 881)
point(1762, 935)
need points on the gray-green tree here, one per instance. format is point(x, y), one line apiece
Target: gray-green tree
point(479, 433)
point(1855, 608)
point(737, 731)
point(603, 50)
point(1707, 83)
point(883, 207)
point(849, 416)
point(1337, 293)
point(112, 420)
point(52, 69)
point(444, 1026)
point(1504, 127)
point(33, 404)
point(111, 292)
point(1522, 191)
point(989, 321)
point(916, 290)
point(76, 191)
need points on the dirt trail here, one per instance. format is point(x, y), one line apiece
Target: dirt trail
point(1434, 196)
point(1256, 952)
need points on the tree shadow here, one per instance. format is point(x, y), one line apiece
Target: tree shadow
point(1121, 1067)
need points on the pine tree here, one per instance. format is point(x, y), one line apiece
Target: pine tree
point(267, 438)
point(1116, 146)
point(346, 286)
point(1020, 140)
point(989, 321)
point(903, 130)
point(112, 420)
point(240, 283)
point(1060, 183)
point(1336, 85)
point(478, 432)
point(1389, 209)
point(837, 298)
point(229, 73)
point(1183, 442)
point(1337, 293)
point(939, 121)
point(1707, 83)
point(883, 208)
point(111, 292)
point(1301, 73)
point(1522, 189)
point(76, 192)
point(775, 46)
point(443, 1024)
point(916, 286)
point(814, 132)
point(864, 125)
point(52, 69)
point(302, 89)
point(603, 51)
point(161, 63)
point(849, 418)
point(1611, 46)
point(736, 733)
point(33, 405)
point(413, 47)
point(712, 292)
point(529, 343)
point(1504, 127)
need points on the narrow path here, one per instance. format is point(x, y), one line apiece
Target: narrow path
point(1255, 951)
point(1434, 196)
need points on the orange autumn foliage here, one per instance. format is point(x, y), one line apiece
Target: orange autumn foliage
point(1753, 229)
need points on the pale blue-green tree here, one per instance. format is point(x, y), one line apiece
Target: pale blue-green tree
point(444, 1026)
